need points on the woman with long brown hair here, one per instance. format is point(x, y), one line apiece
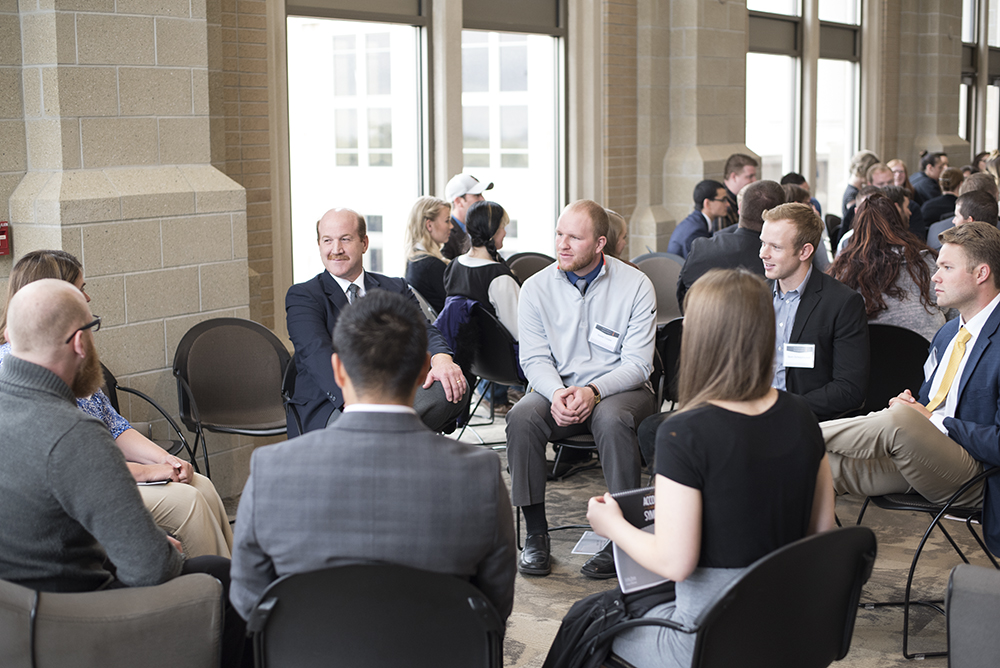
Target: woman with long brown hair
point(741, 468)
point(891, 268)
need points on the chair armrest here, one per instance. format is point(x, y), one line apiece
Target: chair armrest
point(173, 424)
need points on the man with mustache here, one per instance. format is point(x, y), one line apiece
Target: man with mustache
point(312, 309)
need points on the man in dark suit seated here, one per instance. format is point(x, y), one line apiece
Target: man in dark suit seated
point(710, 201)
point(821, 347)
point(935, 445)
point(739, 249)
point(971, 206)
point(377, 485)
point(312, 309)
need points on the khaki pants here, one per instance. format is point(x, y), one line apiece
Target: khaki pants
point(897, 450)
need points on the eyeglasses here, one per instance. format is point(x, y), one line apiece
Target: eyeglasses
point(95, 325)
point(721, 199)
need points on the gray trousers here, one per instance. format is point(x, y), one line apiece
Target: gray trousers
point(613, 423)
point(434, 409)
point(895, 450)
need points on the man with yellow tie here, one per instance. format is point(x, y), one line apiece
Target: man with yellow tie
point(934, 445)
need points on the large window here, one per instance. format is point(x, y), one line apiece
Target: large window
point(509, 128)
point(782, 96)
point(354, 135)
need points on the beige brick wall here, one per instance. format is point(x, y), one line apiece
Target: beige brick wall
point(13, 152)
point(620, 43)
point(238, 103)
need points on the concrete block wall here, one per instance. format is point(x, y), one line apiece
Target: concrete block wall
point(108, 158)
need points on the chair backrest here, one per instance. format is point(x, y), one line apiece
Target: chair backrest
point(663, 269)
point(973, 606)
point(794, 607)
point(376, 615)
point(668, 343)
point(178, 623)
point(234, 369)
point(110, 387)
point(495, 356)
point(525, 265)
point(897, 364)
point(287, 392)
point(425, 305)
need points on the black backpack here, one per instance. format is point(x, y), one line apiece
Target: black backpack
point(585, 635)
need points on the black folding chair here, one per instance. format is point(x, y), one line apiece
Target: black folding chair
point(917, 503)
point(527, 264)
point(663, 269)
point(376, 616)
point(897, 364)
point(287, 392)
point(229, 373)
point(111, 388)
point(668, 344)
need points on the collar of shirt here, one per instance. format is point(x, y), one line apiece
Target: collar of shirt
point(707, 219)
point(359, 281)
point(589, 277)
point(778, 294)
point(379, 408)
point(460, 224)
point(974, 326)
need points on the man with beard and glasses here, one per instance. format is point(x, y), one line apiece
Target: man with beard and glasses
point(68, 503)
point(587, 326)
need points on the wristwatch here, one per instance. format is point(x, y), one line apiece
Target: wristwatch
point(597, 393)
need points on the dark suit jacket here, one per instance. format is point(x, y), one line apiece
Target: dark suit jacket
point(832, 317)
point(925, 188)
point(374, 487)
point(976, 425)
point(311, 309)
point(458, 241)
point(689, 229)
point(935, 209)
point(741, 248)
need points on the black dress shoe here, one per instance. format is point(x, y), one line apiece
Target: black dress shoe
point(601, 566)
point(535, 557)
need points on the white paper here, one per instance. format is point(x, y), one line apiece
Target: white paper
point(605, 337)
point(589, 543)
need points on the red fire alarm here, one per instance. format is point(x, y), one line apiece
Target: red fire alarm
point(4, 238)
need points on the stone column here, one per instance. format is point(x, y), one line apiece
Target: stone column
point(707, 106)
point(116, 126)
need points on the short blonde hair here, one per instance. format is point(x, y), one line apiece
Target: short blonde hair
point(417, 234)
point(808, 226)
point(616, 230)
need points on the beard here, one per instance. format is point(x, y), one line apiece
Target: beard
point(578, 262)
point(89, 376)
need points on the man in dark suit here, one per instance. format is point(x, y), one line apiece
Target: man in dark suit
point(312, 309)
point(970, 206)
point(710, 201)
point(377, 485)
point(739, 249)
point(935, 445)
point(821, 347)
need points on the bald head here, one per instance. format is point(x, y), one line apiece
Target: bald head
point(41, 315)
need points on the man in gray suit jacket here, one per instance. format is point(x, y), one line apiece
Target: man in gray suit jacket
point(377, 485)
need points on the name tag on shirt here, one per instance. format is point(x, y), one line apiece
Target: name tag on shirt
point(800, 355)
point(605, 337)
point(930, 364)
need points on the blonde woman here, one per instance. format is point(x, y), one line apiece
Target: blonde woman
point(427, 230)
point(741, 468)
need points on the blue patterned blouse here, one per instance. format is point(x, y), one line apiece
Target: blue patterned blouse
point(97, 405)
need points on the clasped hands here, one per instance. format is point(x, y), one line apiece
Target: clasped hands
point(908, 399)
point(572, 405)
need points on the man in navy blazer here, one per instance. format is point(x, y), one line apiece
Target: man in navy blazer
point(710, 201)
point(935, 445)
point(312, 309)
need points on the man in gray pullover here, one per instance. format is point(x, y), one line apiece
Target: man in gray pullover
point(65, 490)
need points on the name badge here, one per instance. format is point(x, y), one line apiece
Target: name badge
point(800, 355)
point(930, 364)
point(605, 337)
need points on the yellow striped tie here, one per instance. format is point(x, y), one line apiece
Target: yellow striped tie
point(957, 353)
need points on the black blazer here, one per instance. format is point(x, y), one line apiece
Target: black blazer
point(741, 248)
point(832, 317)
point(311, 309)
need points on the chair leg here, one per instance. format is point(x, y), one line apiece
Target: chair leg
point(200, 435)
point(935, 604)
point(982, 545)
point(864, 507)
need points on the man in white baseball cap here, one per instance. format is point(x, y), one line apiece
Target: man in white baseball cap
point(462, 191)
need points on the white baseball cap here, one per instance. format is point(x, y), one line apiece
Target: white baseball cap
point(464, 184)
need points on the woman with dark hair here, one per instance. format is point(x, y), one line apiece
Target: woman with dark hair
point(741, 468)
point(187, 505)
point(891, 268)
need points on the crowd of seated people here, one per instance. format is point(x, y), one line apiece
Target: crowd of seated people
point(775, 342)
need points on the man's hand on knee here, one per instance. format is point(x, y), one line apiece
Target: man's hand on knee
point(450, 374)
point(907, 399)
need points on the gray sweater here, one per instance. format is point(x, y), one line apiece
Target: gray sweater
point(65, 492)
